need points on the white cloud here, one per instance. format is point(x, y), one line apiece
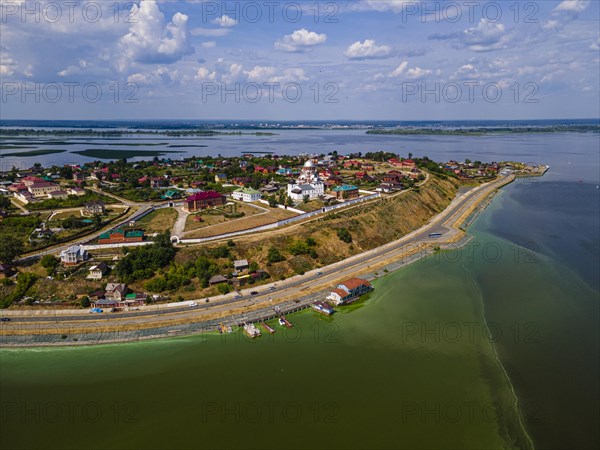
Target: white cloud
point(150, 40)
point(551, 25)
point(367, 50)
point(411, 73)
point(394, 6)
point(573, 6)
point(209, 44)
point(225, 21)
point(300, 40)
point(204, 74)
point(486, 36)
point(415, 73)
point(269, 74)
point(400, 69)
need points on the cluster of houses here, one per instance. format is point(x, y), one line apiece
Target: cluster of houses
point(117, 296)
point(471, 170)
point(31, 189)
point(240, 275)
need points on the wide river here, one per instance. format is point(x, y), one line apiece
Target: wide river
point(435, 358)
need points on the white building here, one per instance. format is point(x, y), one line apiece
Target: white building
point(97, 271)
point(247, 195)
point(308, 184)
point(73, 255)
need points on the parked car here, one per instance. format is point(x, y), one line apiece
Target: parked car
point(4, 319)
point(96, 310)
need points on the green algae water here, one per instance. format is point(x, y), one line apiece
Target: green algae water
point(492, 346)
point(488, 347)
point(386, 373)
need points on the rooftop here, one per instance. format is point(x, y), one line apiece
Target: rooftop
point(353, 283)
point(345, 187)
point(203, 196)
point(248, 191)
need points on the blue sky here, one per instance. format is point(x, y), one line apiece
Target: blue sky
point(371, 59)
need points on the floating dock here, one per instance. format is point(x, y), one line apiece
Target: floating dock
point(267, 327)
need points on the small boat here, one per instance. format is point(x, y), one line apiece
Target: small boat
point(284, 322)
point(267, 327)
point(251, 330)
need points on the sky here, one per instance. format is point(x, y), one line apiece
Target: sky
point(313, 60)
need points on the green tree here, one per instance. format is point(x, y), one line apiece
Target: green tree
point(305, 199)
point(10, 248)
point(272, 201)
point(299, 248)
point(274, 255)
point(50, 263)
point(223, 288)
point(253, 267)
point(344, 235)
point(289, 201)
point(4, 202)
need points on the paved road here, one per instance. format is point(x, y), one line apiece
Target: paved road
point(295, 287)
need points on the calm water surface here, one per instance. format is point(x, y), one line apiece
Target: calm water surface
point(434, 358)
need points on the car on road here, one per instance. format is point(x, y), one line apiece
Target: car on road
point(272, 288)
point(193, 304)
point(96, 310)
point(4, 319)
point(238, 296)
point(254, 293)
point(319, 273)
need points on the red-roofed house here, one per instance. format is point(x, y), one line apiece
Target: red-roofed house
point(28, 181)
point(203, 200)
point(349, 291)
point(339, 296)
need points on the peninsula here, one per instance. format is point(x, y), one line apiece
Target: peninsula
point(171, 247)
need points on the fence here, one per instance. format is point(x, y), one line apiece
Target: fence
point(280, 223)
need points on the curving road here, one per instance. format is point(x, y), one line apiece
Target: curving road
point(307, 287)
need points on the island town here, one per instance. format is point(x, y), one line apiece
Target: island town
point(122, 237)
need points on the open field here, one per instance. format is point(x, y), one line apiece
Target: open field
point(244, 223)
point(313, 205)
point(212, 217)
point(158, 221)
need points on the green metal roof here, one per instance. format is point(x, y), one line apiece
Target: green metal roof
point(345, 187)
point(249, 191)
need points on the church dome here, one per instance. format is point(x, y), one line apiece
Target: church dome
point(309, 164)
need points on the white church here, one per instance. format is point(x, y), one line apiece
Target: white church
point(308, 183)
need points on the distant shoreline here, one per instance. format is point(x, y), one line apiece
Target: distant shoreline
point(480, 131)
